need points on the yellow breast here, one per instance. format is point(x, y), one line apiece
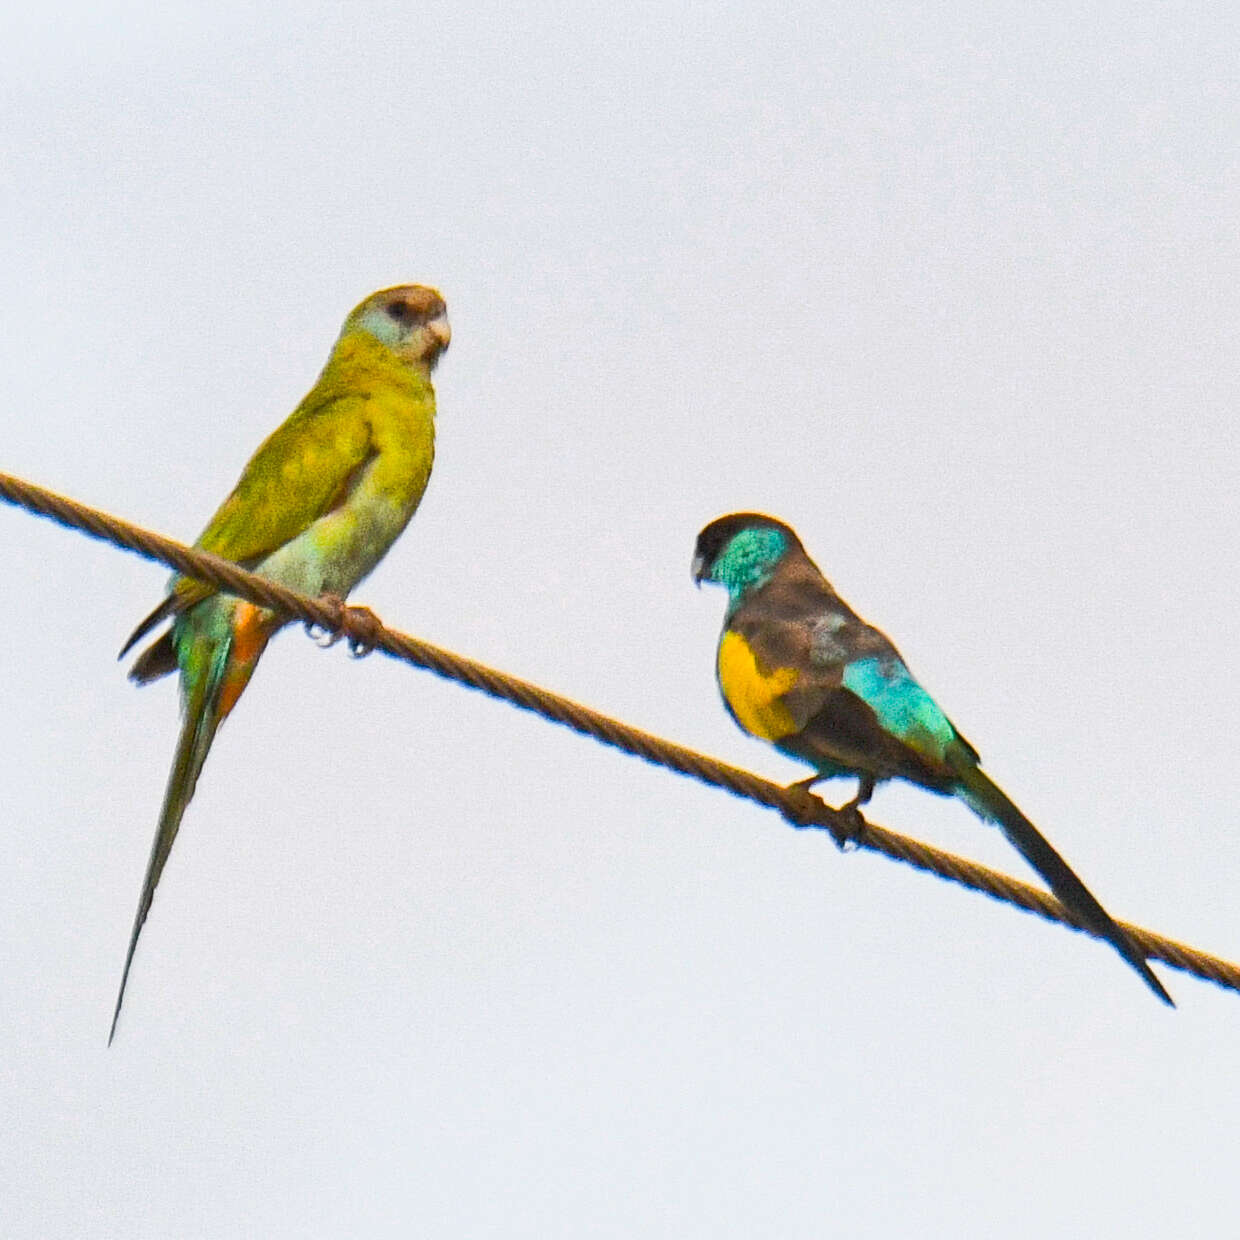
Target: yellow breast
point(752, 693)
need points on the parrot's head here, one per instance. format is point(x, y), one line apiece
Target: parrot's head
point(411, 320)
point(740, 551)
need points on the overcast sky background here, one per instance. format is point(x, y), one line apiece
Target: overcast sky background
point(955, 290)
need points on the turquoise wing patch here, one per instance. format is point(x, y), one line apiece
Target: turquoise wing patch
point(903, 707)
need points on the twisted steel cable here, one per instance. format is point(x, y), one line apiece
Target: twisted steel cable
point(800, 807)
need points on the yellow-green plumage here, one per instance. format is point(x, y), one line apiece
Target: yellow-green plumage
point(368, 408)
point(316, 508)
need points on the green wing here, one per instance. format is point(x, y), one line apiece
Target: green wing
point(303, 470)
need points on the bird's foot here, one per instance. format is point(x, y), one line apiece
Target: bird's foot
point(805, 785)
point(846, 825)
point(849, 834)
point(359, 626)
point(803, 809)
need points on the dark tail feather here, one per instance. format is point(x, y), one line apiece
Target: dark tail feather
point(988, 801)
point(202, 718)
point(167, 607)
point(160, 658)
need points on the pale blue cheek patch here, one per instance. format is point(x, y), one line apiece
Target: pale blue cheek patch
point(903, 707)
point(382, 326)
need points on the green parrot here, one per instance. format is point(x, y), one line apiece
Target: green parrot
point(799, 668)
point(316, 509)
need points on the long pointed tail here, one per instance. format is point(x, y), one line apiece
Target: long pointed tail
point(197, 733)
point(986, 799)
point(220, 664)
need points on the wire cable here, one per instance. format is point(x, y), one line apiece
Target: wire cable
point(365, 632)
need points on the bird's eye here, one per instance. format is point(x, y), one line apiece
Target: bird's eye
point(401, 311)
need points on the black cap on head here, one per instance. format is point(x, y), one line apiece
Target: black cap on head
point(714, 537)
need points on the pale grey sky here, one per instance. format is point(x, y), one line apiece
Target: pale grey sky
point(955, 290)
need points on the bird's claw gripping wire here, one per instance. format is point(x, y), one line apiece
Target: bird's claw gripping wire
point(846, 825)
point(358, 626)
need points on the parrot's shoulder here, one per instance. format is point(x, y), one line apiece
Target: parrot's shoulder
point(796, 615)
point(293, 476)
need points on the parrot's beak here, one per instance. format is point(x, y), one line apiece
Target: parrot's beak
point(441, 331)
point(699, 569)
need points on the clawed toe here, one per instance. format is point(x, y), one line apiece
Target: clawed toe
point(358, 626)
point(804, 809)
point(361, 629)
point(846, 825)
point(852, 833)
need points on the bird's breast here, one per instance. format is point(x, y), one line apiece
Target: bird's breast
point(752, 694)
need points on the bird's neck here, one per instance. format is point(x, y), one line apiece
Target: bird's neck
point(359, 356)
point(748, 563)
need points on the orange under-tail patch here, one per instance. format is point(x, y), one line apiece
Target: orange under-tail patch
point(252, 629)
